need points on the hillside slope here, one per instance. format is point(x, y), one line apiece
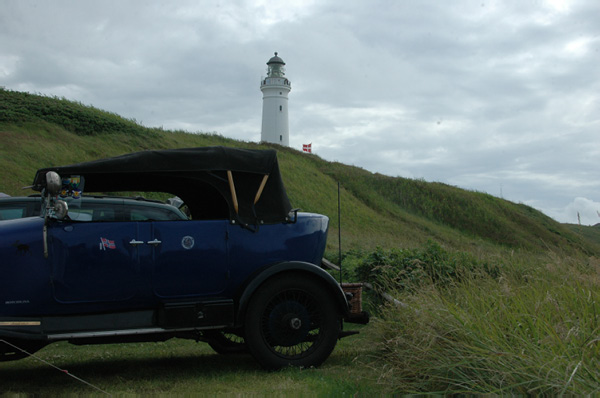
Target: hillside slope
point(377, 210)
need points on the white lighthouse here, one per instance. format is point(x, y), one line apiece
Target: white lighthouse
point(275, 88)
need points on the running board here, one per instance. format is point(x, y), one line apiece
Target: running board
point(120, 333)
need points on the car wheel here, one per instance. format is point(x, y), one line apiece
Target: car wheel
point(292, 321)
point(226, 343)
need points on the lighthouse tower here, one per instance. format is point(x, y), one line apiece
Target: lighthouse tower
point(275, 88)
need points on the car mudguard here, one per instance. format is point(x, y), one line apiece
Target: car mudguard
point(311, 270)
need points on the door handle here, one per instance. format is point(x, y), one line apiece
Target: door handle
point(154, 242)
point(134, 242)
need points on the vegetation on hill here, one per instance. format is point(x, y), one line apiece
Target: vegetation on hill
point(495, 296)
point(18, 107)
point(377, 210)
point(38, 131)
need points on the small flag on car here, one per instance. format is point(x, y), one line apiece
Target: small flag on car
point(107, 244)
point(307, 147)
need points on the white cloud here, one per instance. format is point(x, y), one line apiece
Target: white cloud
point(580, 210)
point(580, 46)
point(560, 6)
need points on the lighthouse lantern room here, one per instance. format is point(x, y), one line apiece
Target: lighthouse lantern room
point(275, 88)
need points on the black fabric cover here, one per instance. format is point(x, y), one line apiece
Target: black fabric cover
point(196, 175)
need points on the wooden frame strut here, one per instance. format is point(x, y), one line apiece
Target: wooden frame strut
point(260, 189)
point(233, 194)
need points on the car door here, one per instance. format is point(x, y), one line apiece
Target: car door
point(94, 261)
point(189, 258)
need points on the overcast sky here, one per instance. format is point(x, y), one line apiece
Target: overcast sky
point(500, 97)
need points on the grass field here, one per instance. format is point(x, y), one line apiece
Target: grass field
point(185, 367)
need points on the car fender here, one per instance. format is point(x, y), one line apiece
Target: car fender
point(257, 279)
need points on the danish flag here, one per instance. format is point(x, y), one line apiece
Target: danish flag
point(307, 147)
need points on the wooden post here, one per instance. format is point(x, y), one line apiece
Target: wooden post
point(260, 189)
point(232, 189)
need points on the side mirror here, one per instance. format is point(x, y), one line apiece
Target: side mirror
point(53, 183)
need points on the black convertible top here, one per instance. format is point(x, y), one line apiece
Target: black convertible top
point(215, 182)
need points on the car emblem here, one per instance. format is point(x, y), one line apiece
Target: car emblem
point(187, 242)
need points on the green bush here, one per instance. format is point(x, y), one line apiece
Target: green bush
point(399, 269)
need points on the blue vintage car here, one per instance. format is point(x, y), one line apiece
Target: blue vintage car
point(243, 273)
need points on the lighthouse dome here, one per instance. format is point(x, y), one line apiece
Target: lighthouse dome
point(275, 60)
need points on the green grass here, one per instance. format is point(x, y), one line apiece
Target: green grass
point(501, 298)
point(182, 367)
point(534, 330)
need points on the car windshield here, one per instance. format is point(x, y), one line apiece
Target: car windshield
point(11, 209)
point(95, 208)
point(107, 211)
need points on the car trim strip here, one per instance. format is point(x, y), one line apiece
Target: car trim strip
point(20, 323)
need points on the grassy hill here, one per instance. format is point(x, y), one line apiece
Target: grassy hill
point(495, 296)
point(377, 210)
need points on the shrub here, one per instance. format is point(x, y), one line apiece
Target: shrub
point(399, 269)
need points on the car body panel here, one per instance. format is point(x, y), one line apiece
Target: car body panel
point(191, 259)
point(93, 264)
point(24, 272)
point(93, 261)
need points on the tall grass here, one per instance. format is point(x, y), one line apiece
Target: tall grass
point(533, 330)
